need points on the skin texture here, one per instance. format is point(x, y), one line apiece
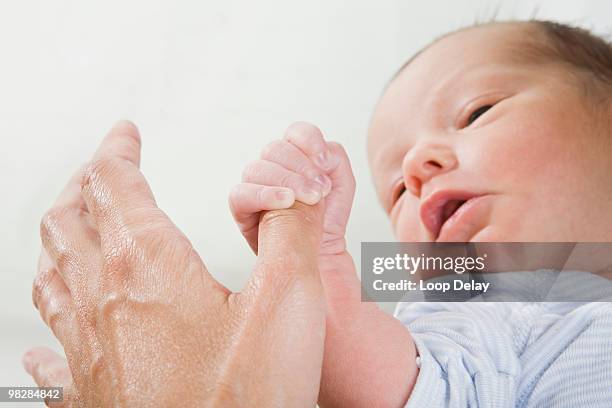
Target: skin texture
point(385, 350)
point(142, 321)
point(539, 151)
point(539, 163)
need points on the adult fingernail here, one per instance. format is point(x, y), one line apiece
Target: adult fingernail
point(325, 184)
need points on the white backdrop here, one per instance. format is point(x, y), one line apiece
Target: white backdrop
point(209, 83)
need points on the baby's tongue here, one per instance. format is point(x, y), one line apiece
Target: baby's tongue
point(450, 208)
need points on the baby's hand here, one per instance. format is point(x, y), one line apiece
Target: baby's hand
point(306, 168)
point(303, 167)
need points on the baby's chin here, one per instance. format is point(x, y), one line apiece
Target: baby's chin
point(491, 234)
point(522, 233)
point(495, 233)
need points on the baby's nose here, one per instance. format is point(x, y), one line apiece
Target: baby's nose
point(424, 162)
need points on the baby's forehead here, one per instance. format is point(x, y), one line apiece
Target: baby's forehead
point(452, 61)
point(505, 43)
point(446, 68)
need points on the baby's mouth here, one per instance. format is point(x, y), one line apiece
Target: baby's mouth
point(441, 206)
point(450, 208)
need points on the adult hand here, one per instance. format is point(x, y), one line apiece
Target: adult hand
point(142, 321)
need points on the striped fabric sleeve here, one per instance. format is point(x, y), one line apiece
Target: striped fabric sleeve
point(466, 354)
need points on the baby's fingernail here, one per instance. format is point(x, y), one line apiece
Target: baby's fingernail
point(325, 184)
point(325, 160)
point(284, 197)
point(311, 196)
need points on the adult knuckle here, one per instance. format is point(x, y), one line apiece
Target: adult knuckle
point(39, 285)
point(64, 259)
point(116, 264)
point(52, 221)
point(55, 318)
point(142, 240)
point(109, 305)
point(282, 219)
point(297, 224)
point(100, 169)
point(52, 227)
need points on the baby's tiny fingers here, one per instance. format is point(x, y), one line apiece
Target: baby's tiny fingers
point(292, 158)
point(268, 173)
point(309, 139)
point(247, 200)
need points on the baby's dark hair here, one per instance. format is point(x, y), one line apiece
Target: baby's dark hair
point(587, 57)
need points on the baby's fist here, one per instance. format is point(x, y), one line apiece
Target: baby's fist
point(303, 167)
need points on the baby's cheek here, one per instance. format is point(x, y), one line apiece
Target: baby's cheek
point(527, 149)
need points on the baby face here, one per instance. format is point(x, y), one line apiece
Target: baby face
point(470, 144)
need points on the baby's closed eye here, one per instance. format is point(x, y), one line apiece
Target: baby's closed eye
point(477, 113)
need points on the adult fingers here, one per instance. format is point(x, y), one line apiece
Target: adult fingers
point(288, 245)
point(53, 300)
point(268, 173)
point(49, 369)
point(123, 207)
point(70, 241)
point(67, 230)
point(123, 141)
point(116, 192)
point(309, 139)
point(248, 200)
point(285, 298)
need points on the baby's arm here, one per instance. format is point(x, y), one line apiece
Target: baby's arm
point(369, 356)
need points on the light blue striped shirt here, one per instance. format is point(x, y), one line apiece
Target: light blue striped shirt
point(512, 354)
